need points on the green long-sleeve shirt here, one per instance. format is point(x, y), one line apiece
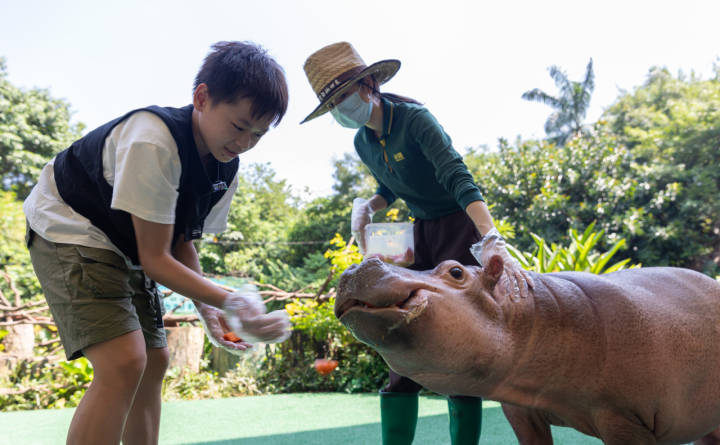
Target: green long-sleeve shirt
point(417, 162)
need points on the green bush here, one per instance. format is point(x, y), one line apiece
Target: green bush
point(14, 257)
point(647, 172)
point(579, 256)
point(40, 385)
point(206, 384)
point(289, 366)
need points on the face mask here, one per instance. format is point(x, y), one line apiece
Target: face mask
point(353, 112)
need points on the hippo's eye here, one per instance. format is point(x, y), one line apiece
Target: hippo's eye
point(456, 273)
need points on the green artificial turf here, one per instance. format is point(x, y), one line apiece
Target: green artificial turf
point(284, 419)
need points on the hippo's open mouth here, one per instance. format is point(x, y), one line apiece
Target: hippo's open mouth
point(412, 305)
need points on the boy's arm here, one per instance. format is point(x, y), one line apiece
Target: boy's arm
point(213, 319)
point(160, 264)
point(180, 274)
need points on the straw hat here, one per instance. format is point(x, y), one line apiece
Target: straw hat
point(335, 68)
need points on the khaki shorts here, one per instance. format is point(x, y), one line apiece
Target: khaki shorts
point(93, 295)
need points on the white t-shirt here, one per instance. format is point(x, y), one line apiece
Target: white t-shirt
point(142, 164)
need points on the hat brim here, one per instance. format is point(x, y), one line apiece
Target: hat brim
point(383, 70)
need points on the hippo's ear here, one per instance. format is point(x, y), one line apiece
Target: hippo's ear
point(494, 268)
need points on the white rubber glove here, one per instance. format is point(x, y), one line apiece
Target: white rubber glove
point(360, 217)
point(215, 327)
point(517, 280)
point(246, 315)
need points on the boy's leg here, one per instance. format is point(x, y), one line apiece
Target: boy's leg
point(143, 421)
point(118, 366)
point(108, 313)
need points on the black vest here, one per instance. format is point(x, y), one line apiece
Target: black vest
point(80, 181)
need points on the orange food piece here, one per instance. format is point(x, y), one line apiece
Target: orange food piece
point(325, 366)
point(230, 336)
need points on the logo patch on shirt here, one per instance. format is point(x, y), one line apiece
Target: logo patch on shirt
point(398, 157)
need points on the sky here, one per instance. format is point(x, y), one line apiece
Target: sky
point(467, 61)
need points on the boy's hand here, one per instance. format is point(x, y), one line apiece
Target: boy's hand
point(216, 327)
point(247, 317)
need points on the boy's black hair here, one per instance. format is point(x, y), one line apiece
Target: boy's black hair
point(237, 70)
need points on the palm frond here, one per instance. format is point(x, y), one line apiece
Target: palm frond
point(561, 81)
point(588, 84)
point(537, 95)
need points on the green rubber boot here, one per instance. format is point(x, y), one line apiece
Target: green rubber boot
point(465, 420)
point(399, 413)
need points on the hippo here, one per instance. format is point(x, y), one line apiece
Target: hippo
point(630, 357)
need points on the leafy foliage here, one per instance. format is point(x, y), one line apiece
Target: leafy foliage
point(262, 209)
point(181, 385)
point(46, 385)
point(318, 334)
point(580, 256)
point(14, 257)
point(671, 125)
point(34, 126)
point(645, 172)
point(548, 189)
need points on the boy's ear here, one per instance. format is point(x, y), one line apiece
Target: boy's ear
point(201, 98)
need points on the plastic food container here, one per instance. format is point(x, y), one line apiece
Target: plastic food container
point(391, 242)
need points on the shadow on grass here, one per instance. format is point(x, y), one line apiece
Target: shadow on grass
point(356, 434)
point(431, 430)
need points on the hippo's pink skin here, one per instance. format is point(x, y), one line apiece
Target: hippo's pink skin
point(631, 357)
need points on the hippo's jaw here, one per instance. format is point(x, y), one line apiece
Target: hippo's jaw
point(362, 304)
point(409, 308)
point(380, 327)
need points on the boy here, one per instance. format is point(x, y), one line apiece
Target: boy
point(118, 210)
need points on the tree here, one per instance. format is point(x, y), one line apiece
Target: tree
point(323, 217)
point(14, 256)
point(570, 105)
point(548, 189)
point(261, 212)
point(672, 127)
point(34, 126)
point(647, 172)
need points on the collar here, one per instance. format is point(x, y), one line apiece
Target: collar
point(388, 111)
point(368, 134)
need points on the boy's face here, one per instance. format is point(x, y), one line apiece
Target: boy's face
point(225, 129)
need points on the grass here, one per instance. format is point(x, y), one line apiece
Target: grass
point(284, 419)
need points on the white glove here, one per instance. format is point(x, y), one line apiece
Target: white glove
point(517, 280)
point(246, 315)
point(360, 217)
point(215, 327)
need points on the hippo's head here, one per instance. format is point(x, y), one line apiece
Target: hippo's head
point(431, 326)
